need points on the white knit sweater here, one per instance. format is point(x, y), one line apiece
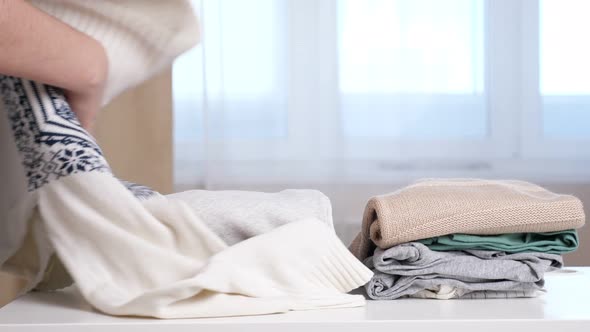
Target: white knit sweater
point(141, 37)
point(158, 258)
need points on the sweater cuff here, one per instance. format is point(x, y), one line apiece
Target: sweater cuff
point(304, 259)
point(339, 268)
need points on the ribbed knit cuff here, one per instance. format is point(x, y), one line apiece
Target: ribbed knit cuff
point(338, 267)
point(303, 260)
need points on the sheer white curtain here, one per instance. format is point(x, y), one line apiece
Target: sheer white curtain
point(377, 90)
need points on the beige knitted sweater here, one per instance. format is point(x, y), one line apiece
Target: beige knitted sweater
point(436, 207)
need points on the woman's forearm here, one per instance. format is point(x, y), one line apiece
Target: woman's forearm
point(36, 46)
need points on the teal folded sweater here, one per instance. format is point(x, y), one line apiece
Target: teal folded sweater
point(553, 242)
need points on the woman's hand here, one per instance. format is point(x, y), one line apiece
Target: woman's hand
point(86, 102)
point(39, 47)
point(86, 106)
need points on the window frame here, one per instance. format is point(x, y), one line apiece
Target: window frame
point(515, 146)
point(495, 146)
point(535, 144)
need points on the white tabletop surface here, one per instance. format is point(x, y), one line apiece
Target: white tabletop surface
point(565, 307)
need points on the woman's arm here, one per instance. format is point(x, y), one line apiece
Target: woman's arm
point(36, 46)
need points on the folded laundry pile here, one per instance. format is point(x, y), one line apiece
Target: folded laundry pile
point(466, 238)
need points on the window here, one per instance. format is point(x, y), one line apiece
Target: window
point(366, 90)
point(412, 69)
point(564, 69)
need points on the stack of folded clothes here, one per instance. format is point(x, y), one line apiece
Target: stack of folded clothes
point(466, 238)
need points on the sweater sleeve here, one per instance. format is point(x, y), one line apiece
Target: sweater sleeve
point(158, 258)
point(140, 38)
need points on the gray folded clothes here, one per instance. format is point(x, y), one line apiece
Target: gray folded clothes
point(389, 287)
point(239, 215)
point(501, 294)
point(409, 268)
point(445, 292)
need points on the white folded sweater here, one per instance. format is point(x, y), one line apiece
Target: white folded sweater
point(157, 258)
point(233, 216)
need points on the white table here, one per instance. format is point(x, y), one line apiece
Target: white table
point(565, 307)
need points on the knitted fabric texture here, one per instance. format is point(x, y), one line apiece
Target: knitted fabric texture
point(232, 215)
point(140, 37)
point(437, 207)
point(132, 251)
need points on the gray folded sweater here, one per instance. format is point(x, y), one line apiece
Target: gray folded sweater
point(239, 215)
point(409, 268)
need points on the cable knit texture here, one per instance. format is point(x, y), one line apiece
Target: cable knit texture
point(437, 207)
